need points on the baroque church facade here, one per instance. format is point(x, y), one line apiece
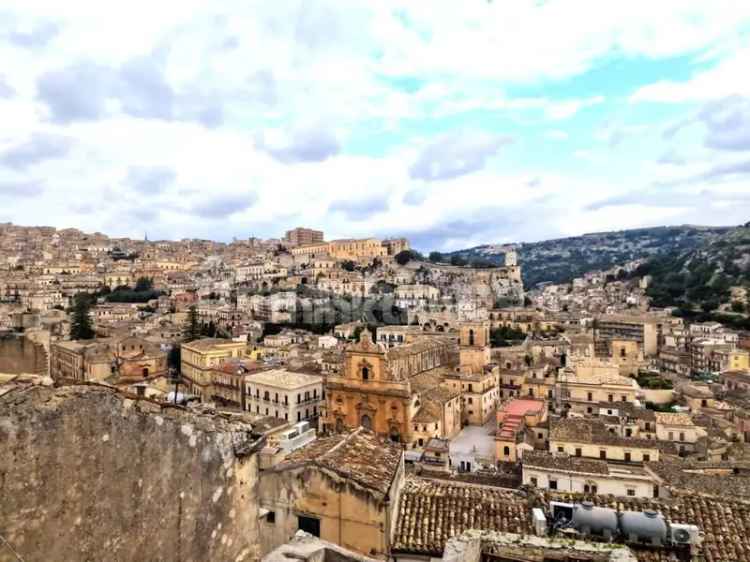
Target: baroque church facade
point(408, 393)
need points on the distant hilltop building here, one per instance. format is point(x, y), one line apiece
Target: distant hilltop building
point(363, 250)
point(303, 236)
point(396, 245)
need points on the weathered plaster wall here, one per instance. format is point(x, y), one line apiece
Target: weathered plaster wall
point(21, 355)
point(349, 515)
point(87, 474)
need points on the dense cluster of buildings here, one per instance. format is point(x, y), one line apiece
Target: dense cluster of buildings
point(446, 423)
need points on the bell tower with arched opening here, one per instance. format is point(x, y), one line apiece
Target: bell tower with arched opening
point(474, 346)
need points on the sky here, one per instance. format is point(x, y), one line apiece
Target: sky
point(452, 122)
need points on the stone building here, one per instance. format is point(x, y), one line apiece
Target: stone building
point(581, 388)
point(586, 476)
point(128, 359)
point(357, 250)
point(590, 438)
point(521, 426)
point(343, 488)
point(385, 390)
point(476, 378)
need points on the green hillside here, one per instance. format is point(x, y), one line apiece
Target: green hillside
point(563, 259)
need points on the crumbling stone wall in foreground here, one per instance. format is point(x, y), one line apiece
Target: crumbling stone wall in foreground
point(88, 474)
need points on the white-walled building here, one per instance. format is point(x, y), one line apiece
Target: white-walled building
point(284, 394)
point(565, 473)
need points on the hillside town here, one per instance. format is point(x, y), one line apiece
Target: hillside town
point(352, 398)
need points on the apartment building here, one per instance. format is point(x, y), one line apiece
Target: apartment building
point(302, 236)
point(286, 395)
point(590, 438)
point(199, 358)
point(640, 328)
point(563, 473)
point(582, 388)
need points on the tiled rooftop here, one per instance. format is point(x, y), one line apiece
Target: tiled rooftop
point(209, 343)
point(360, 456)
point(726, 523)
point(540, 459)
point(430, 513)
point(281, 378)
point(580, 430)
point(672, 418)
point(429, 412)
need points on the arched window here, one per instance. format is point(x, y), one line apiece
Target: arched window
point(506, 451)
point(471, 337)
point(366, 422)
point(365, 374)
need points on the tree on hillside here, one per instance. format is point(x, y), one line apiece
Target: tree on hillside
point(458, 260)
point(80, 327)
point(435, 257)
point(173, 358)
point(192, 330)
point(405, 256)
point(144, 284)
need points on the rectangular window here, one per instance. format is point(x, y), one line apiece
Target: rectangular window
point(631, 492)
point(534, 481)
point(603, 454)
point(578, 452)
point(271, 517)
point(590, 397)
point(309, 525)
point(627, 457)
point(646, 457)
point(560, 449)
point(553, 484)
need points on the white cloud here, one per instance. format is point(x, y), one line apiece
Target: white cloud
point(728, 78)
point(265, 96)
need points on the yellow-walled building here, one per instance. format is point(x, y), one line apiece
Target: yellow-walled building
point(198, 358)
point(386, 389)
point(343, 488)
